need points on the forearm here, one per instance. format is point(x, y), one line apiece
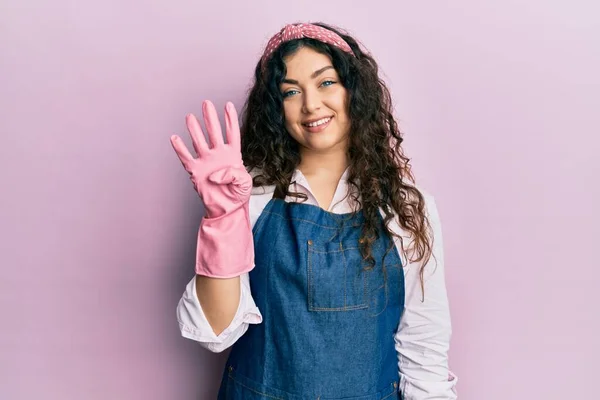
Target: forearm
point(219, 298)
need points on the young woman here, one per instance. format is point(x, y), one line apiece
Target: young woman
point(319, 260)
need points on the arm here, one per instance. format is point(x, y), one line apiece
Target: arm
point(423, 336)
point(219, 298)
point(225, 248)
point(194, 324)
point(193, 321)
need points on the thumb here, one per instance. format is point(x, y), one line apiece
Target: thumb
point(238, 176)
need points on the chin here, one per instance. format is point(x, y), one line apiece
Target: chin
point(329, 139)
point(322, 144)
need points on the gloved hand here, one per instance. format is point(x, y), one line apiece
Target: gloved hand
point(225, 246)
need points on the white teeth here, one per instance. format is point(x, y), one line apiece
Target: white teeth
point(319, 122)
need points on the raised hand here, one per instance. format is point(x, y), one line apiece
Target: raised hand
point(218, 173)
point(225, 245)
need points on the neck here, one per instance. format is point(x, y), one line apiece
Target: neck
point(332, 164)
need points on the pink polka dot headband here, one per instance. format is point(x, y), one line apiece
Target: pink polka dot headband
point(299, 31)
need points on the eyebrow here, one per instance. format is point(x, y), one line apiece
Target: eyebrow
point(313, 76)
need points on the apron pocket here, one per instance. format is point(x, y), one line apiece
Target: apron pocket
point(336, 280)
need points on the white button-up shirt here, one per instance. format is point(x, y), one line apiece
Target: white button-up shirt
point(424, 330)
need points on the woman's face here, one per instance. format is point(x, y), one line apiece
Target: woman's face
point(315, 103)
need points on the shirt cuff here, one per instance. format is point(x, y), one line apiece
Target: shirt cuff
point(415, 389)
point(194, 325)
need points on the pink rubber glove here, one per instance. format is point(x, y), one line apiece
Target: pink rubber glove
point(225, 245)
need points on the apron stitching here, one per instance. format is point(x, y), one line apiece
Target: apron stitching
point(310, 305)
point(253, 390)
point(307, 221)
point(345, 276)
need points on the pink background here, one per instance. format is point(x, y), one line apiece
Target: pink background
point(500, 107)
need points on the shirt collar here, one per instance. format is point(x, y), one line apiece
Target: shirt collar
point(300, 179)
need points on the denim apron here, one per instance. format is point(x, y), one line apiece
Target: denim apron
point(328, 325)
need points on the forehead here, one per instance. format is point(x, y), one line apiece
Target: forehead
point(304, 62)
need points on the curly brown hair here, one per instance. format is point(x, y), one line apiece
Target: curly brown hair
point(378, 169)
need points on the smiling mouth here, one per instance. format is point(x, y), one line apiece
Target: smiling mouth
point(320, 122)
point(318, 126)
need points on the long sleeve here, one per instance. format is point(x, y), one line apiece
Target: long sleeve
point(192, 321)
point(424, 332)
point(194, 325)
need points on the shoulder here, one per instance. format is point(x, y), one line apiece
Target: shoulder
point(430, 207)
point(428, 199)
point(430, 204)
point(259, 198)
point(260, 190)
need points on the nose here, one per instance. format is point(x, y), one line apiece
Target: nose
point(312, 101)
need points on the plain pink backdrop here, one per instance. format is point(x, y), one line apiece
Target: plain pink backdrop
point(499, 102)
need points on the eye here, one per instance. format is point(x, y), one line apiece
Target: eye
point(288, 93)
point(327, 83)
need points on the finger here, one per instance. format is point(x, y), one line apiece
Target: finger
point(211, 121)
point(197, 135)
point(242, 181)
point(238, 176)
point(181, 150)
point(232, 126)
